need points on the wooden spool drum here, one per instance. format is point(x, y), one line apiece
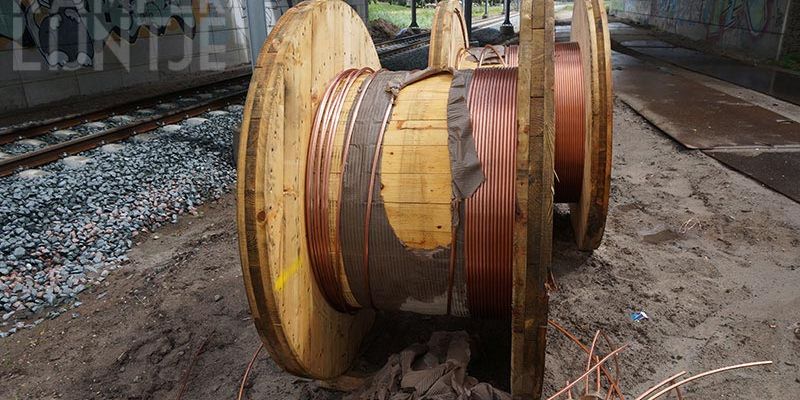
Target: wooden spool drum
point(308, 331)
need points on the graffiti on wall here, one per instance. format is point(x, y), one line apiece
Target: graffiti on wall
point(752, 16)
point(754, 27)
point(64, 31)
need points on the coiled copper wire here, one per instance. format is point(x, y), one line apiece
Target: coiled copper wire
point(496, 51)
point(372, 175)
point(323, 253)
point(489, 213)
point(345, 152)
point(570, 106)
point(512, 56)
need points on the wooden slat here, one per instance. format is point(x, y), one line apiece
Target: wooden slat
point(416, 188)
point(534, 193)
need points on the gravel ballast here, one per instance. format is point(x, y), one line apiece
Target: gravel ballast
point(64, 230)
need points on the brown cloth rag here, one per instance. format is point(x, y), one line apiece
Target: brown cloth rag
point(436, 371)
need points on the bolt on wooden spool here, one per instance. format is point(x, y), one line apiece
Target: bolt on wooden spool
point(346, 170)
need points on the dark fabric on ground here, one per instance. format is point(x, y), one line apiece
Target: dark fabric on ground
point(436, 371)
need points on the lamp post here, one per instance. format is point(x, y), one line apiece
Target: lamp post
point(414, 27)
point(507, 28)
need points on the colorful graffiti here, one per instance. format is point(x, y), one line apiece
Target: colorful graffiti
point(750, 15)
point(64, 31)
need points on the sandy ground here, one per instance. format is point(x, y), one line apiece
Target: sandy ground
point(710, 255)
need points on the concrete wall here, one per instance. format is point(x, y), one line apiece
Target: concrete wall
point(53, 50)
point(751, 27)
point(791, 38)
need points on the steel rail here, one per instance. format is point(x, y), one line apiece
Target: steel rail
point(55, 152)
point(13, 134)
point(401, 45)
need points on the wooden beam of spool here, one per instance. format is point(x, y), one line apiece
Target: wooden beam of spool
point(311, 43)
point(533, 227)
point(590, 31)
point(449, 35)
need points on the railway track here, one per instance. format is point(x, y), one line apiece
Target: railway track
point(223, 96)
point(15, 133)
point(391, 48)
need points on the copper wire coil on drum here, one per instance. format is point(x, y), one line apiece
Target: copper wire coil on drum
point(429, 192)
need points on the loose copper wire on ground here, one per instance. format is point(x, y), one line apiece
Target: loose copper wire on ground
point(489, 213)
point(323, 253)
point(570, 106)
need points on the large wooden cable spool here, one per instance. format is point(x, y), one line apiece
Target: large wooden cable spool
point(356, 195)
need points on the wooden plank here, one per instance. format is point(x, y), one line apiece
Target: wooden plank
point(416, 136)
point(416, 188)
point(415, 159)
point(423, 239)
point(534, 193)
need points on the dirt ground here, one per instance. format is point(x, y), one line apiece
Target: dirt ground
point(711, 256)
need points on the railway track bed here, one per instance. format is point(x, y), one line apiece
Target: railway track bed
point(33, 146)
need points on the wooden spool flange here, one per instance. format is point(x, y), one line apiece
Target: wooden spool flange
point(590, 31)
point(310, 45)
point(449, 35)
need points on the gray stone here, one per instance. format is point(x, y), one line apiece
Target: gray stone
point(143, 137)
point(217, 298)
point(32, 173)
point(235, 108)
point(171, 128)
point(65, 134)
point(122, 119)
point(217, 113)
point(167, 106)
point(195, 121)
point(95, 125)
point(19, 252)
point(112, 148)
point(76, 161)
point(32, 142)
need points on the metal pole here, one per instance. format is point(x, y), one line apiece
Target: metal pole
point(485, 8)
point(468, 16)
point(414, 25)
point(257, 27)
point(507, 28)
